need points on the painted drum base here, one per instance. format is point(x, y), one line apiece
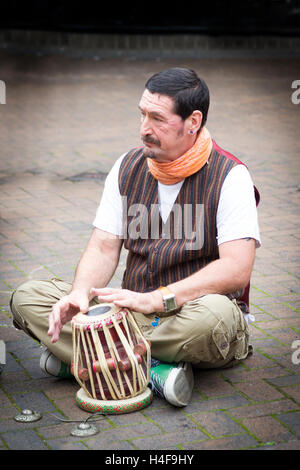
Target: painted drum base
point(114, 407)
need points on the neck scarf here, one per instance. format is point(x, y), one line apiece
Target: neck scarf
point(188, 164)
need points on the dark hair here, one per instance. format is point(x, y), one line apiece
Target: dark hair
point(188, 91)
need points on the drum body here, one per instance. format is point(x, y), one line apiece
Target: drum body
point(111, 356)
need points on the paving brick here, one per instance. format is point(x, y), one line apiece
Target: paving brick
point(98, 444)
point(211, 385)
point(60, 389)
point(222, 403)
point(23, 440)
point(264, 409)
point(283, 311)
point(33, 400)
point(255, 361)
point(217, 423)
point(269, 346)
point(282, 323)
point(130, 432)
point(286, 380)
point(266, 429)
point(65, 444)
point(243, 441)
point(259, 391)
point(169, 419)
point(4, 400)
point(255, 375)
point(168, 440)
point(293, 392)
point(291, 420)
point(290, 445)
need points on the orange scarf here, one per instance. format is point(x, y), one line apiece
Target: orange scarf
point(188, 164)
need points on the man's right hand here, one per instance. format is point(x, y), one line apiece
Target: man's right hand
point(64, 310)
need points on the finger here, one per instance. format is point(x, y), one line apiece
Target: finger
point(129, 303)
point(103, 290)
point(84, 306)
point(55, 324)
point(109, 298)
point(54, 332)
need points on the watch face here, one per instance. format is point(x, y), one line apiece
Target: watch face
point(171, 303)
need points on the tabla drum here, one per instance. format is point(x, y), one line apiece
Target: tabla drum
point(111, 361)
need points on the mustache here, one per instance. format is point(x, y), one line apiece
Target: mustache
point(150, 140)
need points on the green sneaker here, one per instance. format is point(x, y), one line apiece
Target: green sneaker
point(174, 382)
point(51, 365)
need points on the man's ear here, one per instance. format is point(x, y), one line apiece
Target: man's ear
point(193, 122)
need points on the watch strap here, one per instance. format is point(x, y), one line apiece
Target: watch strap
point(165, 290)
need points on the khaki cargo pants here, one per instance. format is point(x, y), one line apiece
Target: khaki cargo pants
point(209, 332)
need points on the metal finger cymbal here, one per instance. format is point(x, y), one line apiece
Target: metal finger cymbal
point(27, 416)
point(84, 429)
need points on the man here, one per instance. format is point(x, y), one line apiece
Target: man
point(186, 211)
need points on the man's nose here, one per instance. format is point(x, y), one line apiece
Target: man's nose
point(145, 127)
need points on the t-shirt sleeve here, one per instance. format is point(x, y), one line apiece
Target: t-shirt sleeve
point(237, 213)
point(109, 215)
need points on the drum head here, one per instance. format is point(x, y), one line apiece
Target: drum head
point(98, 310)
point(114, 407)
point(98, 315)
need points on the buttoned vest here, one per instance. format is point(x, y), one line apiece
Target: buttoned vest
point(162, 253)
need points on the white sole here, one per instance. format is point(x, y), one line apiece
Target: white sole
point(43, 362)
point(179, 385)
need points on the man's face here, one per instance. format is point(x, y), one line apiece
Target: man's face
point(164, 133)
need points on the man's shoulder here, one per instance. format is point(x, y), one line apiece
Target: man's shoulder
point(233, 162)
point(227, 155)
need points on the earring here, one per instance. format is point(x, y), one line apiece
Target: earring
point(191, 132)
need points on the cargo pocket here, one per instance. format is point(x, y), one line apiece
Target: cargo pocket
point(210, 348)
point(242, 337)
point(221, 339)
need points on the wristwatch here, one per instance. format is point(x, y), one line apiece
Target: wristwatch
point(169, 299)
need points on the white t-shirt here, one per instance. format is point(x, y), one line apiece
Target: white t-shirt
point(236, 214)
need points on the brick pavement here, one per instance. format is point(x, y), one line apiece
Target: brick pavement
point(67, 116)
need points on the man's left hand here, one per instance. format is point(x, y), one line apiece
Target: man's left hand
point(146, 303)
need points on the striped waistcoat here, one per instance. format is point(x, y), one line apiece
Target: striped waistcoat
point(155, 259)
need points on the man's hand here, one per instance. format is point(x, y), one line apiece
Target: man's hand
point(64, 310)
point(147, 302)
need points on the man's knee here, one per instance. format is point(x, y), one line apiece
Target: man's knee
point(38, 295)
point(22, 296)
point(20, 302)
